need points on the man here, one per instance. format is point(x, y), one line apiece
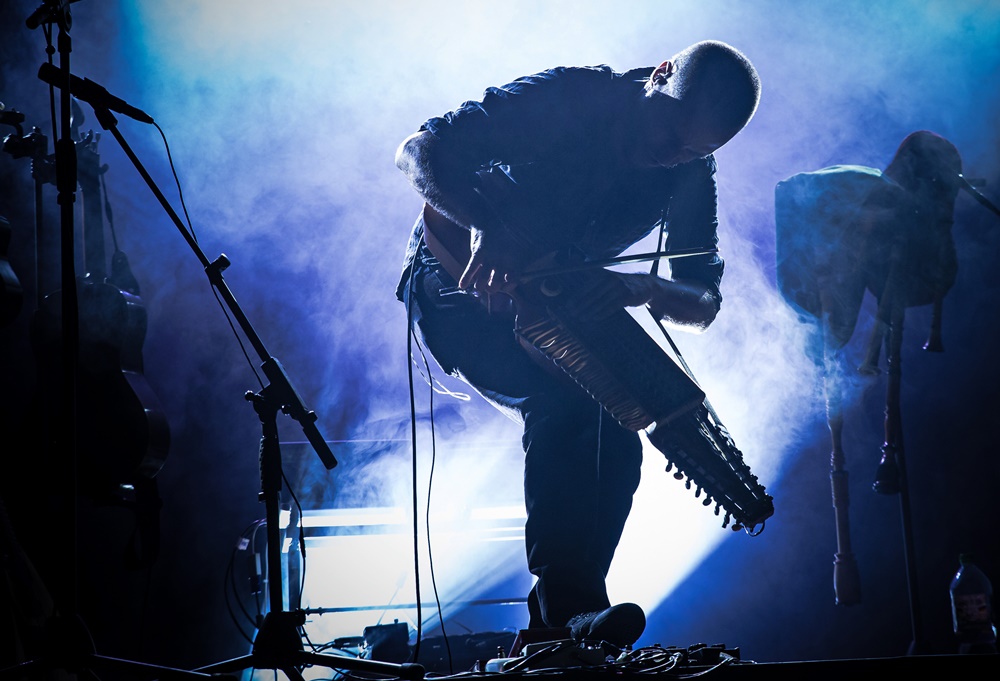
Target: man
point(570, 162)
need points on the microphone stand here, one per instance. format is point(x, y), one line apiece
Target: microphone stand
point(891, 477)
point(278, 644)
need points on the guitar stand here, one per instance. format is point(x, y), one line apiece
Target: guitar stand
point(278, 644)
point(69, 645)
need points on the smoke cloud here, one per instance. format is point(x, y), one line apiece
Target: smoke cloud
point(283, 120)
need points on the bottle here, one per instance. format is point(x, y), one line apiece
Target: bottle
point(972, 609)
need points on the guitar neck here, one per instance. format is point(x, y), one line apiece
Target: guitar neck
point(447, 241)
point(88, 169)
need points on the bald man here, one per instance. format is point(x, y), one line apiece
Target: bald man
point(568, 165)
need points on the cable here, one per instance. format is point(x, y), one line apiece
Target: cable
point(724, 660)
point(302, 535)
point(413, 458)
point(414, 341)
point(232, 590)
point(180, 192)
point(427, 515)
point(194, 237)
point(435, 384)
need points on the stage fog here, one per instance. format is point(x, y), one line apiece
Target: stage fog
point(282, 121)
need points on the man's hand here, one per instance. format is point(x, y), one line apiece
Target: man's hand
point(598, 294)
point(495, 261)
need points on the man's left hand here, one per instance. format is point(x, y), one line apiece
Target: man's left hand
point(685, 303)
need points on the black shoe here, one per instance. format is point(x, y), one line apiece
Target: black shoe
point(619, 625)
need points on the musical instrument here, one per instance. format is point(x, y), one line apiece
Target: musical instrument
point(11, 292)
point(120, 425)
point(629, 374)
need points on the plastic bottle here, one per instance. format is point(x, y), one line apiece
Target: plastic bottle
point(972, 609)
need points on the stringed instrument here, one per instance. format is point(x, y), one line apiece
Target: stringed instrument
point(122, 433)
point(628, 373)
point(11, 292)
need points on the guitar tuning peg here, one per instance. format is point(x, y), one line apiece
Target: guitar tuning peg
point(670, 466)
point(737, 527)
point(697, 492)
point(678, 475)
point(687, 484)
point(717, 506)
point(725, 521)
point(707, 501)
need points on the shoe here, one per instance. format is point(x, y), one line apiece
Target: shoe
point(619, 625)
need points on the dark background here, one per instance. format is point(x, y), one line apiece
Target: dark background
point(283, 129)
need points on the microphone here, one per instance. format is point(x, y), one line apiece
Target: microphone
point(92, 93)
point(46, 13)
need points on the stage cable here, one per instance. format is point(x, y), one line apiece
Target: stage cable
point(232, 591)
point(173, 171)
point(194, 237)
point(300, 526)
point(413, 457)
point(428, 376)
point(427, 511)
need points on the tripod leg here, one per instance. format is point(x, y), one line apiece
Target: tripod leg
point(411, 672)
point(26, 598)
point(148, 671)
point(278, 644)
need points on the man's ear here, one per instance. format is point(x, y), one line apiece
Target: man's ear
point(661, 73)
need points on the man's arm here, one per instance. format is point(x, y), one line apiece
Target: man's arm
point(686, 303)
point(449, 185)
point(691, 298)
point(690, 305)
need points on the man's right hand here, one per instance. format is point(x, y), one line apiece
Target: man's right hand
point(495, 262)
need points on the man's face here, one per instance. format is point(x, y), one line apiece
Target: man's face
point(669, 131)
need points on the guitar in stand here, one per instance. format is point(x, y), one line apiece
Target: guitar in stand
point(11, 293)
point(123, 434)
point(68, 645)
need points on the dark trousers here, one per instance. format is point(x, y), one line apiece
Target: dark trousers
point(581, 467)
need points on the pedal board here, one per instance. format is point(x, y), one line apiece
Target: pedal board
point(556, 655)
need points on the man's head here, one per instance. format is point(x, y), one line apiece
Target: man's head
point(695, 102)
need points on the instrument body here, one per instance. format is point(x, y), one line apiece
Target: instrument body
point(11, 292)
point(617, 363)
point(121, 429)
